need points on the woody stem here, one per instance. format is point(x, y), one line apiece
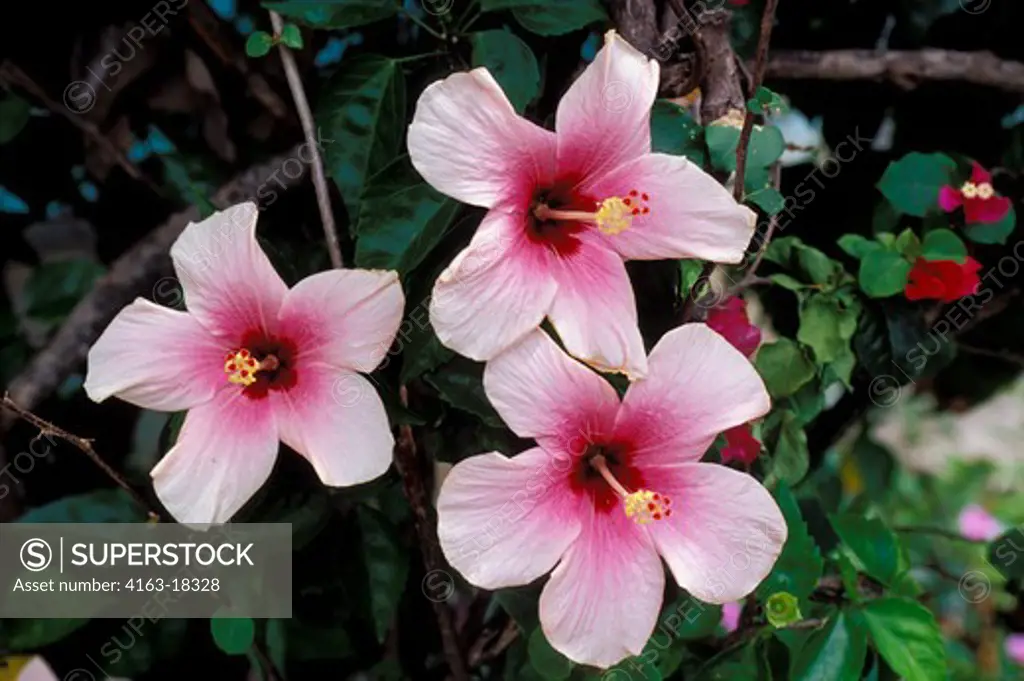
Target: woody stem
point(601, 466)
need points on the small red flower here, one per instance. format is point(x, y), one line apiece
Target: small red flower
point(740, 445)
point(978, 198)
point(944, 280)
point(729, 318)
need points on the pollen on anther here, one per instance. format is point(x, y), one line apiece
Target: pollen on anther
point(244, 373)
point(627, 201)
point(646, 210)
point(636, 211)
point(633, 192)
point(645, 197)
point(230, 367)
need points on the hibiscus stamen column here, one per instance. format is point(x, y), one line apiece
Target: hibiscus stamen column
point(241, 367)
point(614, 215)
point(642, 506)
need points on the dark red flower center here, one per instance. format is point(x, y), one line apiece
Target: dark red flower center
point(262, 363)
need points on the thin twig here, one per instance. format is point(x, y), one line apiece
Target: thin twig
point(11, 75)
point(767, 21)
point(269, 668)
point(750, 278)
point(997, 354)
point(937, 532)
point(480, 652)
point(410, 468)
point(323, 195)
point(85, 446)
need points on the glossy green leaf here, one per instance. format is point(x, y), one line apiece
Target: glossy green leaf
point(387, 566)
point(883, 274)
point(233, 635)
point(994, 233)
point(790, 458)
point(836, 652)
point(912, 183)
point(460, 384)
point(547, 661)
point(907, 637)
point(943, 244)
point(857, 246)
point(674, 131)
point(872, 544)
point(550, 17)
point(401, 220)
point(258, 44)
point(335, 13)
point(799, 565)
point(361, 115)
point(769, 199)
point(291, 36)
point(510, 61)
point(826, 326)
point(784, 367)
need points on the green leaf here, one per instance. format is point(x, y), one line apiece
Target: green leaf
point(460, 384)
point(790, 457)
point(547, 661)
point(883, 274)
point(872, 544)
point(1006, 554)
point(769, 199)
point(784, 367)
point(54, 288)
point(836, 652)
point(511, 62)
point(908, 244)
point(789, 283)
point(722, 141)
point(14, 114)
point(550, 17)
point(422, 350)
point(258, 44)
point(362, 115)
point(857, 246)
point(291, 36)
point(826, 326)
point(912, 183)
point(674, 131)
point(995, 233)
point(32, 634)
point(401, 220)
point(799, 565)
point(98, 506)
point(335, 13)
point(387, 565)
point(766, 146)
point(816, 267)
point(233, 635)
point(943, 244)
point(907, 638)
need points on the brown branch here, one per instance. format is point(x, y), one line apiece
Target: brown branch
point(414, 484)
point(1004, 355)
point(481, 653)
point(760, 62)
point(904, 68)
point(47, 429)
point(323, 195)
point(12, 76)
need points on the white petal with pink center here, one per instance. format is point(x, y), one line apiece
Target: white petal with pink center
point(629, 490)
point(253, 362)
point(566, 208)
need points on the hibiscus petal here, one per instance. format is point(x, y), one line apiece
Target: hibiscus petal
point(506, 521)
point(337, 421)
point(229, 284)
point(603, 120)
point(155, 358)
point(468, 142)
point(224, 453)
point(594, 310)
point(725, 531)
point(986, 211)
point(698, 386)
point(493, 293)
point(346, 318)
point(690, 214)
point(602, 601)
point(950, 199)
point(538, 390)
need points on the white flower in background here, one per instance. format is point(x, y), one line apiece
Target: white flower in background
point(804, 140)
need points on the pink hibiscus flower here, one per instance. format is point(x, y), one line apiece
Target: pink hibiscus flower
point(611, 486)
point(978, 198)
point(731, 615)
point(730, 319)
point(1014, 646)
point(253, 362)
point(565, 209)
point(740, 445)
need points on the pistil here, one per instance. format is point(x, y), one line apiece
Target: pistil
point(643, 505)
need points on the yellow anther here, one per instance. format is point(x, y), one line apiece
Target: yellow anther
point(241, 367)
point(985, 191)
point(969, 190)
point(614, 216)
point(644, 506)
